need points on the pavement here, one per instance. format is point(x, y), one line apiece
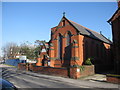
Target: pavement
point(95, 77)
point(94, 81)
point(3, 65)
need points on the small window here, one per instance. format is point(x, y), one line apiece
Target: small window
point(63, 23)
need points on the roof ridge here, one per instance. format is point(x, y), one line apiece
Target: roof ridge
point(86, 27)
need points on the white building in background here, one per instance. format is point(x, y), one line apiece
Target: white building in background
point(22, 57)
point(30, 61)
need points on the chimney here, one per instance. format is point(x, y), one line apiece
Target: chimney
point(118, 3)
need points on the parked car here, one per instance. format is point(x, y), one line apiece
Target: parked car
point(6, 85)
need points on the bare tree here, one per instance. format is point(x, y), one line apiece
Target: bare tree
point(10, 50)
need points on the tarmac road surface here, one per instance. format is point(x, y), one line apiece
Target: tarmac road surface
point(23, 79)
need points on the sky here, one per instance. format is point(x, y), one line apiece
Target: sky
point(30, 21)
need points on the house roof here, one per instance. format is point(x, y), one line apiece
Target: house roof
point(87, 32)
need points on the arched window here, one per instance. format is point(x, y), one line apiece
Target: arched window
point(60, 46)
point(68, 48)
point(68, 38)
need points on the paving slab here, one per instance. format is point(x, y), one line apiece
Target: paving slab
point(95, 77)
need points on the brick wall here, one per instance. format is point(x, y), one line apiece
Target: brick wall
point(22, 66)
point(76, 72)
point(51, 70)
point(113, 79)
point(88, 70)
point(72, 72)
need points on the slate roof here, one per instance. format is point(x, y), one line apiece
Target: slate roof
point(87, 32)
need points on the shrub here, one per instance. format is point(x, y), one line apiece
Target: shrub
point(81, 68)
point(88, 61)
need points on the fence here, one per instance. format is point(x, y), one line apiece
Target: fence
point(13, 62)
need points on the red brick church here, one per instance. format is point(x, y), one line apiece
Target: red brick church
point(71, 44)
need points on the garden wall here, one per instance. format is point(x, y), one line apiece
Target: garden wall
point(51, 70)
point(72, 72)
point(113, 78)
point(88, 70)
point(22, 66)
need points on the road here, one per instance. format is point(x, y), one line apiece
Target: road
point(22, 79)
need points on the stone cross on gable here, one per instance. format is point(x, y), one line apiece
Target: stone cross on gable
point(64, 14)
